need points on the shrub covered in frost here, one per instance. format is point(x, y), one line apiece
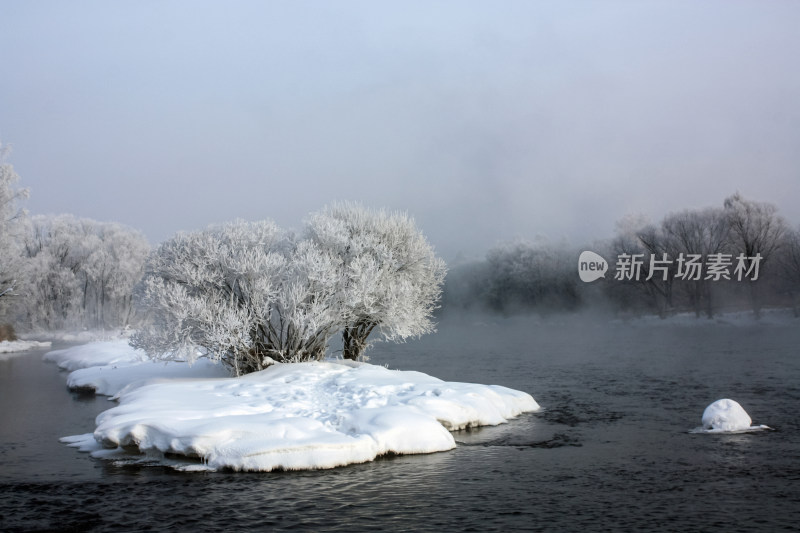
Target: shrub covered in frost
point(248, 294)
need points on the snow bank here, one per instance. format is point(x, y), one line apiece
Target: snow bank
point(726, 416)
point(10, 349)
point(109, 380)
point(107, 367)
point(299, 416)
point(97, 353)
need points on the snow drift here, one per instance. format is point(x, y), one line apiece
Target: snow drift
point(107, 367)
point(97, 353)
point(299, 416)
point(109, 380)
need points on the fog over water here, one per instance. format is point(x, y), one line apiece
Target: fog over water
point(486, 122)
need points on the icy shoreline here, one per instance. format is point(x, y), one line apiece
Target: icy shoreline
point(288, 417)
point(9, 349)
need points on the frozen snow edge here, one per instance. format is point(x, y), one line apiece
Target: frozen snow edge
point(296, 416)
point(108, 367)
point(96, 353)
point(110, 380)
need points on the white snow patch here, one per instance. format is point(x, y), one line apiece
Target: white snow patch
point(726, 416)
point(298, 416)
point(109, 380)
point(107, 367)
point(99, 353)
point(9, 349)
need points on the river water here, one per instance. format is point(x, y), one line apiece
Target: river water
point(610, 450)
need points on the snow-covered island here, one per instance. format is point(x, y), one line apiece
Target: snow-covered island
point(289, 416)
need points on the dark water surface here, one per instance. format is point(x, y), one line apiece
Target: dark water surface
point(609, 452)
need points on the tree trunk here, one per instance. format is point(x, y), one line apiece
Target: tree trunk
point(354, 339)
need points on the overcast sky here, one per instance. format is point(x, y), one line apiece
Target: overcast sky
point(487, 121)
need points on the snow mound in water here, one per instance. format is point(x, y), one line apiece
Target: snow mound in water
point(726, 416)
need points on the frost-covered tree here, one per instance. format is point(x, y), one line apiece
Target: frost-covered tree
point(79, 272)
point(666, 248)
point(700, 232)
point(630, 294)
point(389, 278)
point(657, 244)
point(244, 293)
point(523, 275)
point(788, 260)
point(638, 285)
point(113, 267)
point(11, 215)
point(248, 294)
point(755, 228)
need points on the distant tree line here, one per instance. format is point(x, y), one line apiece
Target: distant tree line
point(516, 276)
point(740, 227)
point(78, 273)
point(62, 272)
point(542, 277)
